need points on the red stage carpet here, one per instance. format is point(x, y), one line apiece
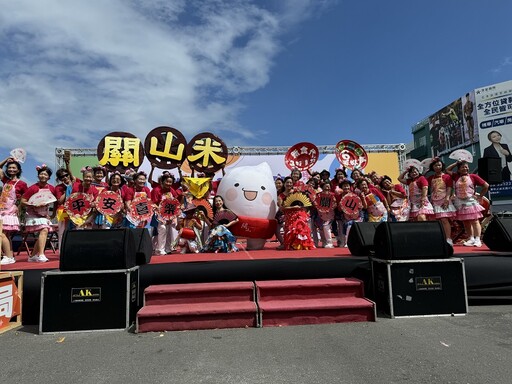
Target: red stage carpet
point(270, 251)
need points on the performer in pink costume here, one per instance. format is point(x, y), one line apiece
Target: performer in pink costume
point(12, 191)
point(469, 210)
point(418, 190)
point(441, 190)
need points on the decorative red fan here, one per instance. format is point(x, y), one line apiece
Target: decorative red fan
point(109, 203)
point(169, 208)
point(140, 209)
point(224, 216)
point(350, 205)
point(78, 206)
point(205, 206)
point(325, 202)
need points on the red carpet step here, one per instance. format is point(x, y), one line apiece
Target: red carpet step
point(315, 301)
point(177, 307)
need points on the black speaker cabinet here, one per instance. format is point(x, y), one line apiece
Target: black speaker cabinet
point(411, 240)
point(489, 169)
point(98, 249)
point(409, 288)
point(88, 300)
point(498, 235)
point(360, 239)
point(143, 245)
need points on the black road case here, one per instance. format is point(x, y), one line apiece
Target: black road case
point(88, 300)
point(408, 288)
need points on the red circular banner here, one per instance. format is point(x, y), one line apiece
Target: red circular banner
point(109, 203)
point(351, 155)
point(140, 209)
point(350, 205)
point(301, 156)
point(169, 208)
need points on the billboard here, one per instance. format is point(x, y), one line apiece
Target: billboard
point(454, 126)
point(494, 115)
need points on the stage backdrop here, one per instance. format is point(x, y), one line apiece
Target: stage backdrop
point(384, 163)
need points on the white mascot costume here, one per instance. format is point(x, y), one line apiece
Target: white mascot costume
point(250, 192)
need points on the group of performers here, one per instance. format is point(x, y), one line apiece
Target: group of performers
point(308, 212)
point(189, 224)
point(333, 205)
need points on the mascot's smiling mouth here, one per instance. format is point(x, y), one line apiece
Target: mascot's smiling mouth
point(250, 195)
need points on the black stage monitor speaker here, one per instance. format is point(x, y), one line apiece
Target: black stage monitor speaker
point(489, 169)
point(498, 235)
point(143, 245)
point(411, 240)
point(98, 249)
point(360, 239)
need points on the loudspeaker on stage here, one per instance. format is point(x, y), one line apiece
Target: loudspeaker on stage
point(411, 240)
point(498, 234)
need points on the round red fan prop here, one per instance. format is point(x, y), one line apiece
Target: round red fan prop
point(169, 208)
point(350, 205)
point(109, 203)
point(140, 209)
point(325, 202)
point(301, 156)
point(351, 155)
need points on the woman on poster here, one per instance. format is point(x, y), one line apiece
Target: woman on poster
point(499, 150)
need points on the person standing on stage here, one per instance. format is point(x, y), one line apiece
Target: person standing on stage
point(469, 210)
point(420, 206)
point(440, 194)
point(37, 219)
point(11, 194)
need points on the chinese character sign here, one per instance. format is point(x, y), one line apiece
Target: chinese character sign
point(207, 153)
point(301, 156)
point(9, 301)
point(109, 203)
point(120, 150)
point(165, 147)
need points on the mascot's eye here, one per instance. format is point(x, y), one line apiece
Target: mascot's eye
point(237, 184)
point(263, 188)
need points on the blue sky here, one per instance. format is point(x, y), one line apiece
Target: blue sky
point(272, 72)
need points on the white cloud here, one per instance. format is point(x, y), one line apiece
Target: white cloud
point(71, 71)
point(507, 61)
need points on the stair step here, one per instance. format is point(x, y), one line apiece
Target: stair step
point(313, 311)
point(318, 288)
point(179, 317)
point(199, 293)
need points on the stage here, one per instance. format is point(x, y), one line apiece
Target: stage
point(488, 273)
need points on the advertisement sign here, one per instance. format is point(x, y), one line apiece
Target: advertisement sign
point(494, 114)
